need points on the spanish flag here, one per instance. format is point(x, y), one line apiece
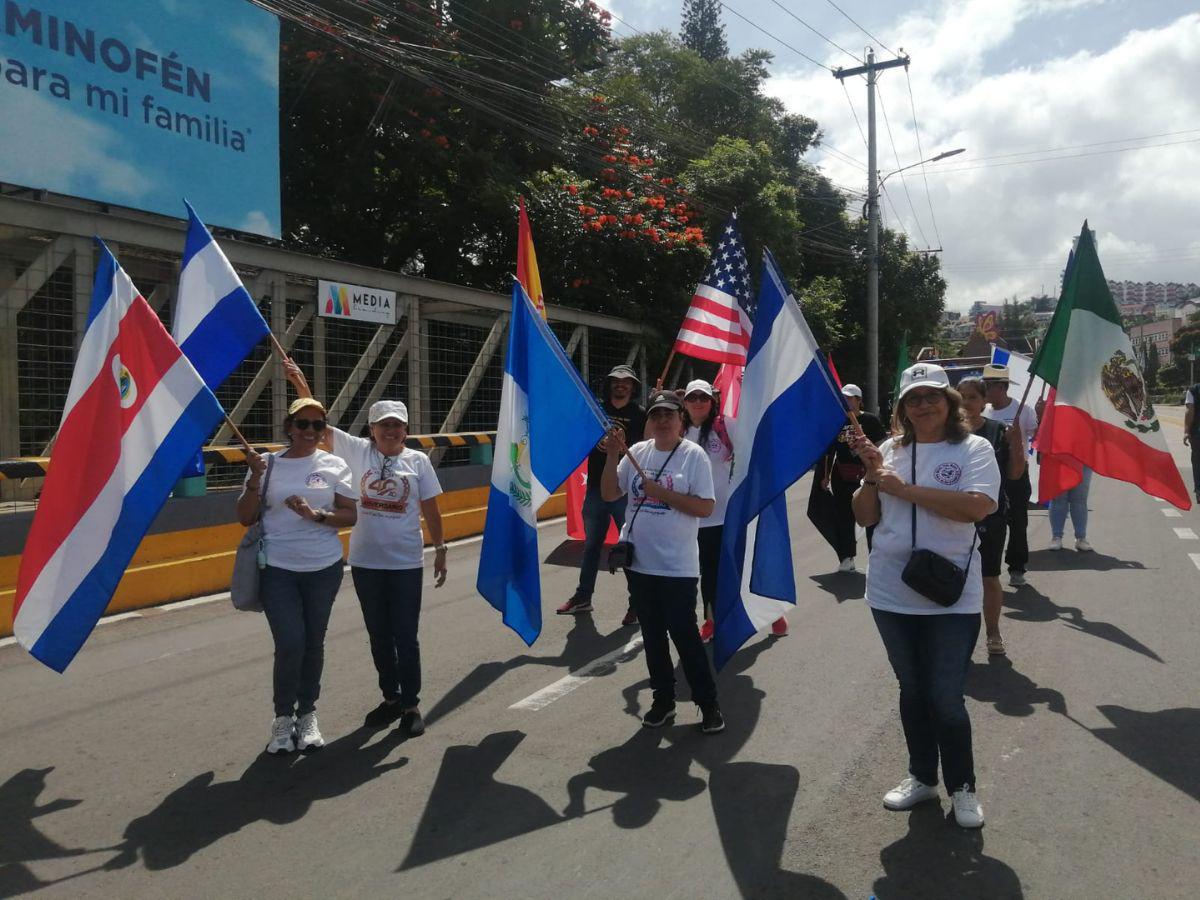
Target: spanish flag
point(527, 267)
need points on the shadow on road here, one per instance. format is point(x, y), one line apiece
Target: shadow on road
point(1026, 604)
point(843, 585)
point(1012, 693)
point(570, 555)
point(1072, 561)
point(1165, 743)
point(272, 789)
point(22, 842)
point(584, 643)
point(937, 860)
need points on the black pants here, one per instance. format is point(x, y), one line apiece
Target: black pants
point(391, 608)
point(1195, 441)
point(666, 607)
point(843, 493)
point(1017, 555)
point(710, 555)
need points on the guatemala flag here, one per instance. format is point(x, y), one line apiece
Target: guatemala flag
point(135, 413)
point(549, 421)
point(216, 321)
point(791, 410)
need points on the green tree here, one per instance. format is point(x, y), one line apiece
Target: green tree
point(702, 30)
point(1151, 368)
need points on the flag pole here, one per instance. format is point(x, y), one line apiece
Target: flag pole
point(663, 376)
point(278, 348)
point(238, 434)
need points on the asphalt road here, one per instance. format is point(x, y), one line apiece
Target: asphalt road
point(140, 772)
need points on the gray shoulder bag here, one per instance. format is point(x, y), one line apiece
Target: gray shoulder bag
point(251, 556)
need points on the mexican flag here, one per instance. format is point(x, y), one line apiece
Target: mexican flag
point(1099, 414)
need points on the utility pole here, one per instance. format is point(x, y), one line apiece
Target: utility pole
point(870, 70)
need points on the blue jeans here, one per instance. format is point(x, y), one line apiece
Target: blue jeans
point(297, 605)
point(1075, 501)
point(930, 656)
point(666, 611)
point(596, 514)
point(391, 608)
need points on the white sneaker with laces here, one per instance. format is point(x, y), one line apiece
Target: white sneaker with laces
point(308, 733)
point(282, 729)
point(1082, 545)
point(1056, 543)
point(847, 565)
point(908, 793)
point(967, 811)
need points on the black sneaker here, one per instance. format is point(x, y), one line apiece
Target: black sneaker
point(711, 719)
point(384, 714)
point(661, 712)
point(630, 618)
point(411, 723)
point(575, 606)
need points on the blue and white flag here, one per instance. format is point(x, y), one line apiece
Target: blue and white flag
point(549, 421)
point(791, 410)
point(216, 321)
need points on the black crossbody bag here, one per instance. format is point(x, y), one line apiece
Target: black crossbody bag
point(620, 556)
point(930, 574)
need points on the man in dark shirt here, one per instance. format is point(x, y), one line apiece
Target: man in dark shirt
point(841, 471)
point(621, 407)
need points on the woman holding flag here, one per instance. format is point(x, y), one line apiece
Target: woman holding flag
point(304, 496)
point(925, 489)
point(394, 486)
point(670, 485)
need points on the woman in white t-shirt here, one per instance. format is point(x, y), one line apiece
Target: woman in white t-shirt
point(308, 498)
point(662, 522)
point(395, 486)
point(926, 489)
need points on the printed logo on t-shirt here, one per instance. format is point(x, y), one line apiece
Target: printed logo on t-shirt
point(384, 491)
point(638, 493)
point(316, 481)
point(714, 444)
point(948, 473)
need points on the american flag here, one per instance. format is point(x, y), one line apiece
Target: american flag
point(718, 323)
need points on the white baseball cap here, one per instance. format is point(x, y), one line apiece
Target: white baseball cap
point(699, 386)
point(923, 375)
point(851, 390)
point(387, 409)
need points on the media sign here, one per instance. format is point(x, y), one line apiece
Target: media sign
point(141, 103)
point(355, 303)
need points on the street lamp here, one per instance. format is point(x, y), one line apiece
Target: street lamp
point(873, 270)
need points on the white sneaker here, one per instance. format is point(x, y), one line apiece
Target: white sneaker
point(908, 793)
point(308, 733)
point(847, 565)
point(1017, 579)
point(967, 811)
point(282, 729)
point(1082, 545)
point(1056, 543)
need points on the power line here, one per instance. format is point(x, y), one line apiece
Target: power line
point(775, 38)
point(863, 30)
point(1024, 162)
point(1146, 137)
point(899, 166)
point(921, 156)
point(826, 39)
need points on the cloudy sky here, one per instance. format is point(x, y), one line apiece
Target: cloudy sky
point(1068, 109)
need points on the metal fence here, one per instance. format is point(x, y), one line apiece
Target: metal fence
point(443, 356)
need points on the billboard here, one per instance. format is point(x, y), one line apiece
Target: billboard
point(355, 303)
point(140, 103)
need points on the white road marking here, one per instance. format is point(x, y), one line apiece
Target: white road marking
point(1195, 558)
point(1186, 534)
point(547, 695)
point(1172, 513)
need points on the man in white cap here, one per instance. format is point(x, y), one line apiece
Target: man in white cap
point(1003, 408)
point(622, 409)
point(840, 471)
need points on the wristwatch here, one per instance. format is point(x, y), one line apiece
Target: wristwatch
point(439, 548)
point(321, 515)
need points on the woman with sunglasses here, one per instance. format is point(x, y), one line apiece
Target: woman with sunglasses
point(708, 427)
point(926, 488)
point(308, 497)
point(396, 487)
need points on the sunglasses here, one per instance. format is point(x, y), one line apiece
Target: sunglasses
point(305, 424)
point(696, 398)
point(929, 397)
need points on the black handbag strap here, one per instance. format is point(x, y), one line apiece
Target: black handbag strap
point(971, 552)
point(661, 469)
